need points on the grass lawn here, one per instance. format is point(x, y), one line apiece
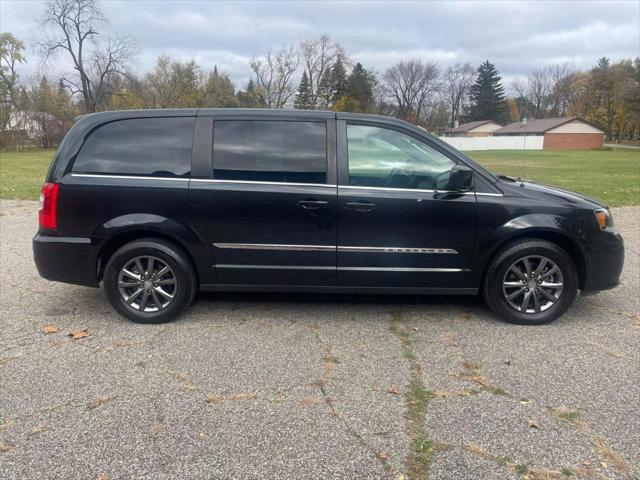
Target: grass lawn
point(612, 176)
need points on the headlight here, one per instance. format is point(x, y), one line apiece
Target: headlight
point(603, 218)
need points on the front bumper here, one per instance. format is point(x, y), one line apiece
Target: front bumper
point(605, 262)
point(66, 259)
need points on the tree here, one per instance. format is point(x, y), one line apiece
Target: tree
point(318, 55)
point(218, 91)
point(409, 84)
point(457, 86)
point(359, 94)
point(173, 84)
point(73, 27)
point(304, 97)
point(274, 73)
point(488, 101)
point(11, 54)
point(248, 98)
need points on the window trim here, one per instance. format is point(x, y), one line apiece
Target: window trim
point(330, 151)
point(343, 149)
point(85, 137)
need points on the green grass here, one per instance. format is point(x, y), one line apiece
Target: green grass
point(22, 173)
point(611, 176)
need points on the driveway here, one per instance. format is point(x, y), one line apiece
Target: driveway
point(299, 386)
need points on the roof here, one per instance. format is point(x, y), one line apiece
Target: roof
point(465, 127)
point(536, 126)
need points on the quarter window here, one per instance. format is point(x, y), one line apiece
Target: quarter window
point(272, 151)
point(158, 147)
point(381, 157)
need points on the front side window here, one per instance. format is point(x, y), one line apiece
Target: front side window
point(157, 147)
point(381, 157)
point(272, 151)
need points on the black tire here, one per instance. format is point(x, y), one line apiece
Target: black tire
point(496, 274)
point(184, 287)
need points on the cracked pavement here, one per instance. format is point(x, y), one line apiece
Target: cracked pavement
point(298, 386)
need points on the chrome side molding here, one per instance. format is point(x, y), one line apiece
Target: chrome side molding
point(340, 248)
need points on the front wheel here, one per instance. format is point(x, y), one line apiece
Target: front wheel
point(531, 282)
point(149, 281)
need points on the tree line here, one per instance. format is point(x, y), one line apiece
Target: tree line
point(313, 74)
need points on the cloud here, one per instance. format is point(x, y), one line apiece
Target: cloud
point(516, 36)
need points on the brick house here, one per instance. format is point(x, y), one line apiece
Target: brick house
point(480, 128)
point(565, 133)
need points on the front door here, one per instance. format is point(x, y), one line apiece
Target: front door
point(397, 224)
point(268, 213)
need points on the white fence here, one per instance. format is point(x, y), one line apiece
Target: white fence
point(532, 142)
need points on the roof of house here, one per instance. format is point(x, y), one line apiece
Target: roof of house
point(541, 125)
point(465, 127)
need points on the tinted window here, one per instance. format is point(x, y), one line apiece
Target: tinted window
point(143, 146)
point(270, 151)
point(381, 157)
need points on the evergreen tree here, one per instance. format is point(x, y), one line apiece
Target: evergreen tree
point(488, 101)
point(338, 80)
point(248, 97)
point(360, 85)
point(218, 91)
point(304, 97)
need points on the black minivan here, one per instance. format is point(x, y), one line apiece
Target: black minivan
point(157, 204)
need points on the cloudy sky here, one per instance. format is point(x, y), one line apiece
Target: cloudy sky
point(516, 36)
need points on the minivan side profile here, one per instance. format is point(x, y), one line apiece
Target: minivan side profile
point(158, 204)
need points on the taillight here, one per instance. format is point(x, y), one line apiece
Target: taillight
point(48, 213)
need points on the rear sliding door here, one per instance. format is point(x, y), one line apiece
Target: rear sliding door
point(268, 210)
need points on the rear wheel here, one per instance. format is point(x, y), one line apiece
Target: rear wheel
point(149, 281)
point(531, 282)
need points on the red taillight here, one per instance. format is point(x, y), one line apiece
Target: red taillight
point(47, 215)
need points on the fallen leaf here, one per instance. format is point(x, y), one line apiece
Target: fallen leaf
point(524, 402)
point(5, 447)
point(532, 424)
point(393, 389)
point(604, 465)
point(47, 329)
point(102, 476)
point(78, 334)
point(383, 456)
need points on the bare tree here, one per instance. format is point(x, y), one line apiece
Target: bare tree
point(72, 25)
point(457, 86)
point(318, 55)
point(274, 76)
point(561, 96)
point(410, 84)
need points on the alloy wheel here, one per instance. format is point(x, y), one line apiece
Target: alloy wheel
point(532, 284)
point(147, 284)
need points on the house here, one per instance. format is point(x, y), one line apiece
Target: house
point(565, 133)
point(480, 128)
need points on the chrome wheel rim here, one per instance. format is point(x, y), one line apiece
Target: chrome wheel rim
point(532, 284)
point(147, 284)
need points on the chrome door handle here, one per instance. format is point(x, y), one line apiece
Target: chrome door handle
point(313, 204)
point(360, 206)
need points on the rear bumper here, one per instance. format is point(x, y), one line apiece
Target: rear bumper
point(606, 260)
point(66, 259)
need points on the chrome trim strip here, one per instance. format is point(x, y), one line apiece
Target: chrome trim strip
point(331, 248)
point(393, 269)
point(127, 177)
point(270, 246)
point(417, 190)
point(255, 182)
point(277, 267)
point(398, 250)
point(321, 267)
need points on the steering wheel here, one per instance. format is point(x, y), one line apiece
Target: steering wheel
point(399, 172)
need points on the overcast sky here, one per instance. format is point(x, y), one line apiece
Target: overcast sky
point(515, 36)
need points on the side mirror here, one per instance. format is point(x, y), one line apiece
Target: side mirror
point(460, 179)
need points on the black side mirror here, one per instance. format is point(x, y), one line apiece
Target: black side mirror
point(460, 179)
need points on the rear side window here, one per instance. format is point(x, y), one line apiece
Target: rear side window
point(156, 147)
point(270, 151)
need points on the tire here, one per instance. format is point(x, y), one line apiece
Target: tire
point(502, 275)
point(178, 284)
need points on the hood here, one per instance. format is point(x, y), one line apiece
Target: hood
point(560, 194)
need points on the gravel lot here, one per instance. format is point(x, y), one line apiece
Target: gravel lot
point(296, 386)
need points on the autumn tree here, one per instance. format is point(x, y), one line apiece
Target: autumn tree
point(217, 91)
point(72, 27)
point(173, 84)
point(248, 98)
point(488, 101)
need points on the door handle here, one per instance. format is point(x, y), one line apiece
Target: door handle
point(360, 206)
point(313, 204)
